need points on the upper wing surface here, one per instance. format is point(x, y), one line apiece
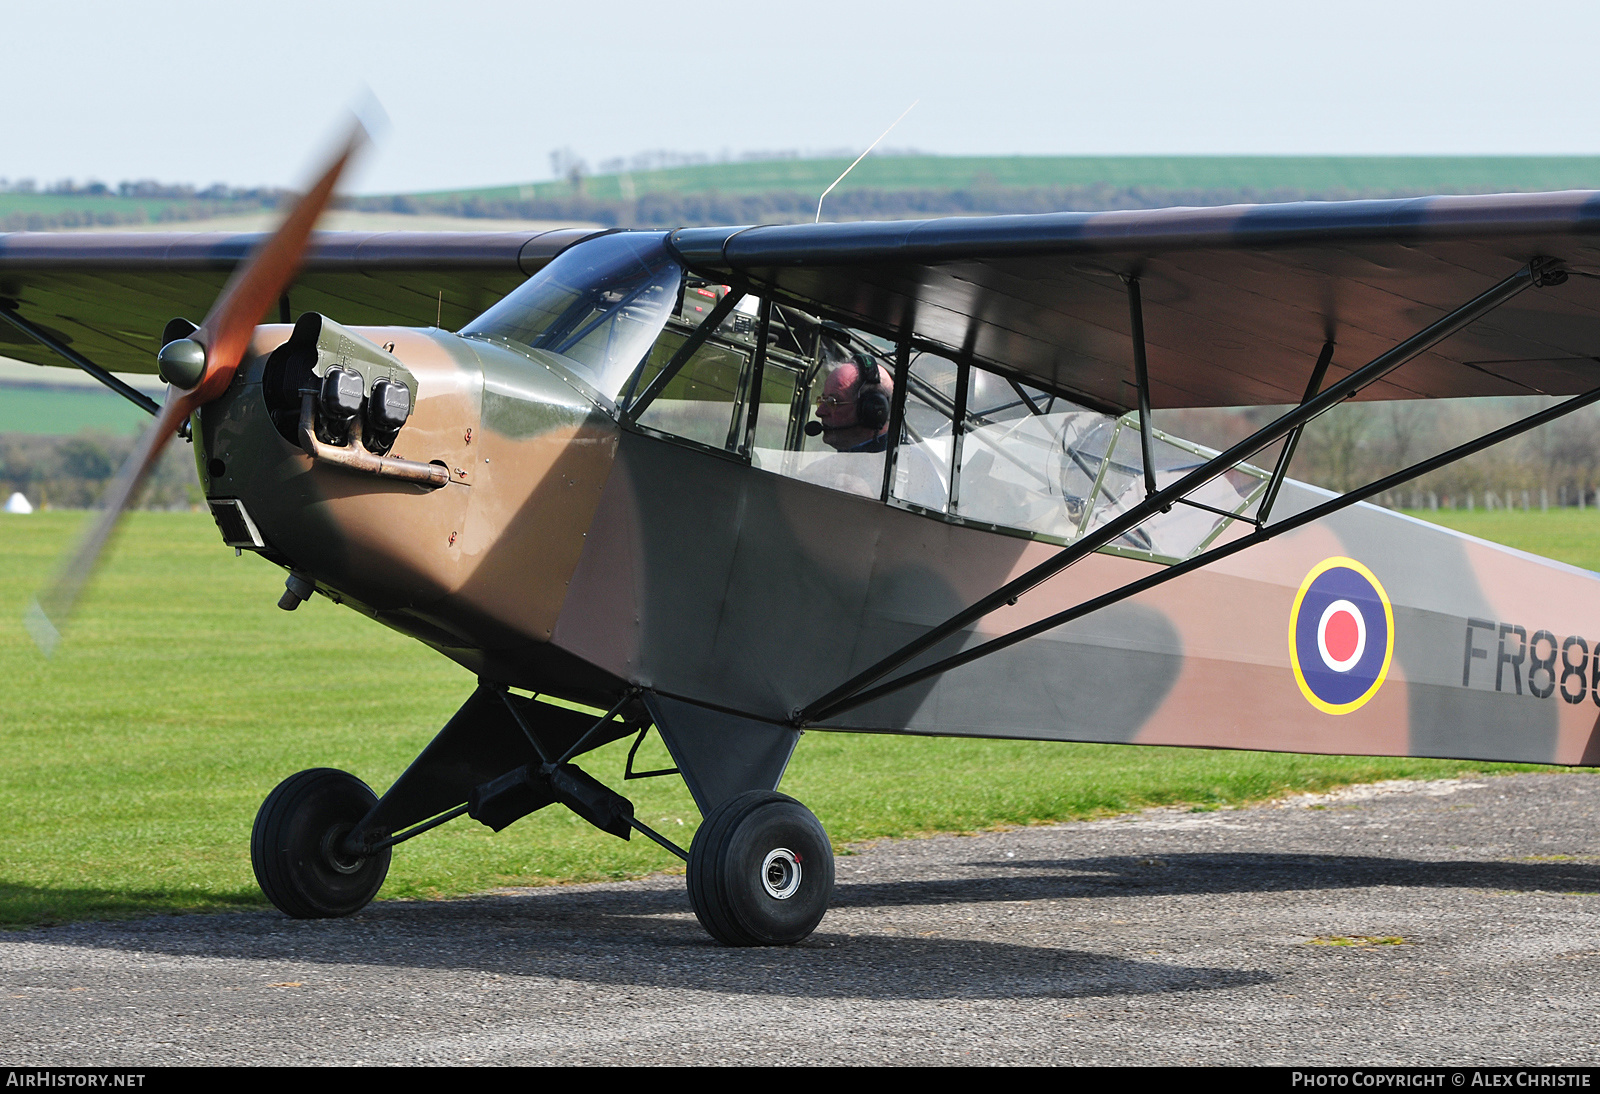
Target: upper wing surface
point(1237, 300)
point(109, 294)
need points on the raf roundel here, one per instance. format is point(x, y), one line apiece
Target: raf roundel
point(1341, 635)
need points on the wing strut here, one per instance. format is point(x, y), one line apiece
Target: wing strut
point(1324, 359)
point(853, 693)
point(44, 338)
point(1141, 379)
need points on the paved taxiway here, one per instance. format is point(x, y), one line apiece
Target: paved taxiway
point(1167, 937)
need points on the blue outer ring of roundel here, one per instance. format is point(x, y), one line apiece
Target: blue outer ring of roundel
point(1327, 689)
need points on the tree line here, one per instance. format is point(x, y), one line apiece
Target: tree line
point(653, 209)
point(1356, 443)
point(72, 472)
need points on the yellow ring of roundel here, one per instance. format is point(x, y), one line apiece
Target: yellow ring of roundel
point(1294, 655)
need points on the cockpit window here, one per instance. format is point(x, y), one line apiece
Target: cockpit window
point(599, 306)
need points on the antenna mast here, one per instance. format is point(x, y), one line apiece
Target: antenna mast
point(861, 157)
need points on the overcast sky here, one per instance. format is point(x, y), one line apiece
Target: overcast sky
point(479, 92)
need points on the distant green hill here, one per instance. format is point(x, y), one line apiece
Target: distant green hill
point(881, 186)
point(44, 211)
point(898, 187)
point(59, 412)
point(1308, 174)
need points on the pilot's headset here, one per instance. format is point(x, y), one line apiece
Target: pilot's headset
point(872, 398)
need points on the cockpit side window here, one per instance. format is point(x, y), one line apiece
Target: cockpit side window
point(796, 396)
point(702, 401)
point(926, 443)
point(1032, 461)
point(1023, 465)
point(839, 406)
point(699, 397)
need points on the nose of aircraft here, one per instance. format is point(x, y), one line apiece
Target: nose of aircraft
point(346, 456)
point(483, 561)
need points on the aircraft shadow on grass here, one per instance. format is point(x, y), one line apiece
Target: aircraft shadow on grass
point(646, 937)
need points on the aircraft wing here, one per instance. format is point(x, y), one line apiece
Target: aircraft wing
point(1237, 300)
point(107, 295)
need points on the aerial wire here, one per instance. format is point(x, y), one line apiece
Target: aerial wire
point(863, 156)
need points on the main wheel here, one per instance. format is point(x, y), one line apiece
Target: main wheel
point(760, 871)
point(295, 845)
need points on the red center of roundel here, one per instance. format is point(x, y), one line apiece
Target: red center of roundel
point(1342, 635)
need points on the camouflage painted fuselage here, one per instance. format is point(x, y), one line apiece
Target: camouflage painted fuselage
point(574, 557)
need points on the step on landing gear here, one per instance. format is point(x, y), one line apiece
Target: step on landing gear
point(297, 846)
point(760, 871)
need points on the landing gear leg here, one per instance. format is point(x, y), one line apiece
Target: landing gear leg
point(298, 846)
point(760, 871)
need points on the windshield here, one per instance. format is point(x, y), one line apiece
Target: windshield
point(600, 305)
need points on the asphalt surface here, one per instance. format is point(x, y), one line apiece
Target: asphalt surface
point(1469, 914)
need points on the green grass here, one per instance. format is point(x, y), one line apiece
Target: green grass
point(1422, 174)
point(1570, 535)
point(61, 412)
point(132, 763)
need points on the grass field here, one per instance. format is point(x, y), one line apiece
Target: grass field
point(1570, 535)
point(88, 206)
point(132, 764)
point(40, 211)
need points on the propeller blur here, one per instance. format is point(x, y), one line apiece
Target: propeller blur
point(210, 357)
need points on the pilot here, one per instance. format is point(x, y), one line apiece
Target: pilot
point(853, 419)
point(853, 410)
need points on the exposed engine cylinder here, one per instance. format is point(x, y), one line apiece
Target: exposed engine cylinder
point(352, 379)
point(388, 407)
point(338, 403)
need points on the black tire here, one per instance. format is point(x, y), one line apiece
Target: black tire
point(760, 871)
point(294, 846)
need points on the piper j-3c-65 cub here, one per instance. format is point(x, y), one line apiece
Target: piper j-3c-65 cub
point(604, 483)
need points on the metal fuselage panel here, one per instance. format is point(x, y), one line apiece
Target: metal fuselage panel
point(479, 568)
point(717, 583)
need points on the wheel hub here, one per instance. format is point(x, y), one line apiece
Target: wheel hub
point(780, 873)
point(333, 851)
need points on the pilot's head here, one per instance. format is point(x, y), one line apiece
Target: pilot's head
point(854, 405)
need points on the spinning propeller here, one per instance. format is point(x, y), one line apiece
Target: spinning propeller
point(197, 368)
